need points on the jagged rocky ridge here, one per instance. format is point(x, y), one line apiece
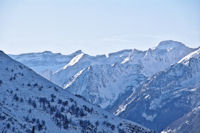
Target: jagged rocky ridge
point(27, 100)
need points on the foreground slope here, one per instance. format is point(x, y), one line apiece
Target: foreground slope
point(27, 100)
point(168, 95)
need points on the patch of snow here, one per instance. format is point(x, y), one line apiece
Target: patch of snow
point(74, 60)
point(125, 60)
point(74, 78)
point(147, 96)
point(148, 117)
point(155, 103)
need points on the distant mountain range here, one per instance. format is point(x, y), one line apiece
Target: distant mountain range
point(155, 87)
point(30, 103)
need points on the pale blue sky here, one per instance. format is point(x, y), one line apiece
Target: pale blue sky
point(96, 26)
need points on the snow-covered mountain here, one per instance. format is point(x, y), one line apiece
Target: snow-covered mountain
point(153, 87)
point(166, 96)
point(30, 102)
point(108, 80)
point(102, 80)
point(45, 63)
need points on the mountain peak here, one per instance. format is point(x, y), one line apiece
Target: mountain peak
point(78, 52)
point(2, 54)
point(170, 44)
point(47, 52)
